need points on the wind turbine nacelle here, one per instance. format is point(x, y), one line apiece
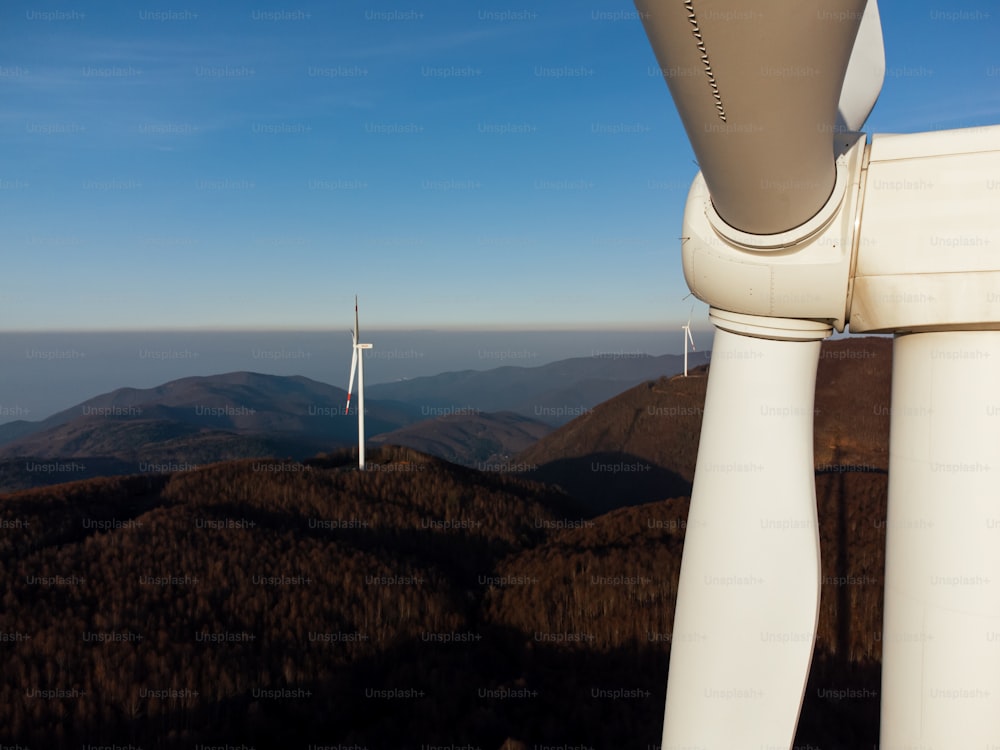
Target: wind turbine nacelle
point(929, 250)
point(801, 273)
point(914, 219)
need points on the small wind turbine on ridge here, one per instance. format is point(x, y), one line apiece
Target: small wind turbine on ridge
point(358, 363)
point(687, 339)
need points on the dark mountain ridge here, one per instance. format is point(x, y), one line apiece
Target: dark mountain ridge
point(202, 419)
point(553, 393)
point(642, 445)
point(240, 402)
point(480, 440)
point(191, 421)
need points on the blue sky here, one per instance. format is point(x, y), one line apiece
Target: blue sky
point(465, 164)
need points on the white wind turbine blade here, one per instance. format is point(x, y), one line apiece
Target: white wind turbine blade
point(748, 597)
point(757, 88)
point(354, 357)
point(865, 72)
point(688, 340)
point(350, 382)
point(356, 332)
point(941, 624)
point(941, 621)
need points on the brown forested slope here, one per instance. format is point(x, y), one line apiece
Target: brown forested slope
point(283, 604)
point(481, 439)
point(254, 600)
point(642, 445)
point(606, 588)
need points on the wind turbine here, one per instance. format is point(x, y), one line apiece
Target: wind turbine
point(796, 225)
point(358, 362)
point(687, 339)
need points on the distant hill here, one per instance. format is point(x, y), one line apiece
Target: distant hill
point(636, 447)
point(194, 420)
point(553, 393)
point(238, 402)
point(481, 440)
point(642, 445)
point(199, 420)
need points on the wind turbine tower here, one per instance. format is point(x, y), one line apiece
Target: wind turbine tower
point(687, 340)
point(358, 363)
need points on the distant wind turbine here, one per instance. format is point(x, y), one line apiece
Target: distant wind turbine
point(358, 363)
point(687, 339)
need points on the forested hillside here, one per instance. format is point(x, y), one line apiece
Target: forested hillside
point(419, 603)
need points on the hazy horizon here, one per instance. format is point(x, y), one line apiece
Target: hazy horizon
point(48, 371)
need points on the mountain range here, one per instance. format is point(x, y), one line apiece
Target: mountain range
point(186, 422)
point(279, 603)
point(483, 440)
point(642, 444)
point(555, 393)
point(198, 420)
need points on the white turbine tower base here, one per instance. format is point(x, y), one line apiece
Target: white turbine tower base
point(748, 597)
point(941, 629)
point(358, 364)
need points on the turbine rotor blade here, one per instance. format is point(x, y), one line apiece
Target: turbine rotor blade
point(748, 597)
point(758, 90)
point(865, 72)
point(940, 657)
point(350, 383)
